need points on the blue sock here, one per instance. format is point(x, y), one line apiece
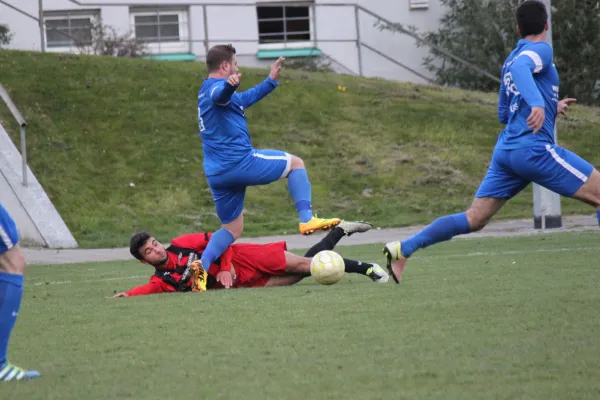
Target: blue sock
point(11, 291)
point(300, 189)
point(598, 215)
point(218, 243)
point(442, 229)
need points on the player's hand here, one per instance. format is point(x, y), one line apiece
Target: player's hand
point(234, 80)
point(274, 74)
point(122, 294)
point(563, 105)
point(225, 278)
point(536, 119)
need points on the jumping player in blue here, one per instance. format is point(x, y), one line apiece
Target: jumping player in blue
point(12, 268)
point(525, 152)
point(231, 163)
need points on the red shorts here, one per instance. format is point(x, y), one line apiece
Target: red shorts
point(255, 264)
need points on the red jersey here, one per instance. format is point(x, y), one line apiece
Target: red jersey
point(166, 278)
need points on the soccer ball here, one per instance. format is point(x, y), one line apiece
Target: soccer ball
point(327, 267)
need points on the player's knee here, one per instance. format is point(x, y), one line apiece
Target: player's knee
point(305, 266)
point(297, 163)
point(298, 265)
point(477, 220)
point(236, 232)
point(589, 192)
point(235, 227)
point(596, 194)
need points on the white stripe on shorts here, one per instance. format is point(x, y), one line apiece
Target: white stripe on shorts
point(566, 165)
point(287, 157)
point(6, 239)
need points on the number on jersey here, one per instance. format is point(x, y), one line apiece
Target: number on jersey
point(200, 121)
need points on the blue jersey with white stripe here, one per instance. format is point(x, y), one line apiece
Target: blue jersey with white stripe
point(9, 235)
point(222, 122)
point(529, 79)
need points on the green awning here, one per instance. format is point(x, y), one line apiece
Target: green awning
point(171, 57)
point(289, 53)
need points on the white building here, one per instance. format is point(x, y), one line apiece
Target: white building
point(261, 30)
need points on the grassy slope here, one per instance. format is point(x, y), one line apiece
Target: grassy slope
point(391, 153)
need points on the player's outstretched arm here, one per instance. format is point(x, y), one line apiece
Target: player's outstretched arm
point(221, 92)
point(155, 286)
point(251, 96)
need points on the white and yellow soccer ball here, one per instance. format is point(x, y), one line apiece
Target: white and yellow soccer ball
point(327, 267)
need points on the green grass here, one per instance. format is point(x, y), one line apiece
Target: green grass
point(391, 153)
point(513, 318)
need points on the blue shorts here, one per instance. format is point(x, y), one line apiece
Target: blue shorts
point(259, 168)
point(552, 167)
point(9, 235)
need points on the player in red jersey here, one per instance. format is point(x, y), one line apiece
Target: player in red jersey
point(241, 265)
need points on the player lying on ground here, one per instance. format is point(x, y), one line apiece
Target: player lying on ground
point(12, 268)
point(231, 163)
point(248, 265)
point(525, 151)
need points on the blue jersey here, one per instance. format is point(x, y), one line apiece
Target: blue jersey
point(529, 79)
point(9, 234)
point(222, 122)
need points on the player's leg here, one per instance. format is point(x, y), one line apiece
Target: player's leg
point(345, 228)
point(229, 204)
point(284, 280)
point(561, 171)
point(301, 191)
point(12, 268)
point(499, 185)
point(295, 264)
point(267, 166)
point(590, 192)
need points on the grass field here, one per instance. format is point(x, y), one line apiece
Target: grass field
point(390, 153)
point(513, 318)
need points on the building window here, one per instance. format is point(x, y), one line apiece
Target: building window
point(69, 28)
point(419, 4)
point(160, 25)
point(282, 23)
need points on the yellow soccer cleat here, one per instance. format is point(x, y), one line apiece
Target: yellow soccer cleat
point(316, 224)
point(199, 276)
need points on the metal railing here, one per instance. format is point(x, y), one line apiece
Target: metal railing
point(23, 127)
point(357, 9)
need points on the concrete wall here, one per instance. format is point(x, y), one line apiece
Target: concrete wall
point(26, 32)
point(29, 233)
point(38, 221)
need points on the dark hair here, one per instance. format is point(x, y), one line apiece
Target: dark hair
point(136, 242)
point(217, 54)
point(532, 17)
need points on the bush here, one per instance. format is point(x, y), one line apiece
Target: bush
point(106, 41)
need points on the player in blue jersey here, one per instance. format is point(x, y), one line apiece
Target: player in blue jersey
point(12, 267)
point(525, 152)
point(231, 163)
